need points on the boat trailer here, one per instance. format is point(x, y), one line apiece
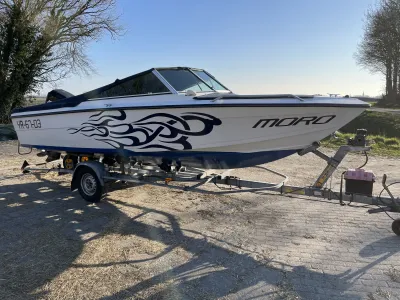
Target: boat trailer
point(90, 178)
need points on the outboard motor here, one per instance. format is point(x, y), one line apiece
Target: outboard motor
point(57, 94)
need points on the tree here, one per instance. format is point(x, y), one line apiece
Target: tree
point(43, 41)
point(379, 50)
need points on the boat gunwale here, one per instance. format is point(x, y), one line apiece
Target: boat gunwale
point(176, 106)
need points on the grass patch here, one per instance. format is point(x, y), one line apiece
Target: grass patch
point(384, 146)
point(379, 140)
point(376, 123)
point(391, 141)
point(387, 105)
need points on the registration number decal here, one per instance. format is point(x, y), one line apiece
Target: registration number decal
point(29, 124)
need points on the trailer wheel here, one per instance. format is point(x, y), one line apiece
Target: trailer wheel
point(396, 226)
point(89, 185)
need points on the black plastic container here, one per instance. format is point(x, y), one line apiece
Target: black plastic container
point(362, 187)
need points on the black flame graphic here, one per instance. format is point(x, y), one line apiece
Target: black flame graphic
point(156, 131)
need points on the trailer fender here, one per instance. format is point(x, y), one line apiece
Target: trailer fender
point(96, 166)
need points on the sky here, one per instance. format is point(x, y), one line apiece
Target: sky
point(251, 46)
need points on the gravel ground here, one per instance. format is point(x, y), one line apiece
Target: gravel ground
point(146, 242)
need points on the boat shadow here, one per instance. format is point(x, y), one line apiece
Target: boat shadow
point(239, 274)
point(44, 228)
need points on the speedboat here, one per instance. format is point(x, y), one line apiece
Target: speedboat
point(181, 116)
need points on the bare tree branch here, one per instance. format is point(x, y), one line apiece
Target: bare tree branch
point(379, 50)
point(42, 41)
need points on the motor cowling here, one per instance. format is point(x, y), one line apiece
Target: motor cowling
point(57, 94)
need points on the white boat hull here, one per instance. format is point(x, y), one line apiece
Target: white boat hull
point(212, 137)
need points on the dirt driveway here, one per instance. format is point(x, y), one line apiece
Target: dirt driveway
point(146, 242)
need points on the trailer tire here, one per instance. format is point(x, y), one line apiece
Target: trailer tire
point(396, 226)
point(89, 185)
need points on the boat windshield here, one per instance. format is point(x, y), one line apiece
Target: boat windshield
point(209, 80)
point(183, 80)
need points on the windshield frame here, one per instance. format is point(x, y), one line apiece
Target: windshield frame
point(191, 70)
point(212, 77)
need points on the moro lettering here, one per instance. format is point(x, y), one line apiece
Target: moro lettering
point(293, 121)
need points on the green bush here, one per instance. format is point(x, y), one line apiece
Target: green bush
point(391, 141)
point(382, 146)
point(376, 123)
point(379, 140)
